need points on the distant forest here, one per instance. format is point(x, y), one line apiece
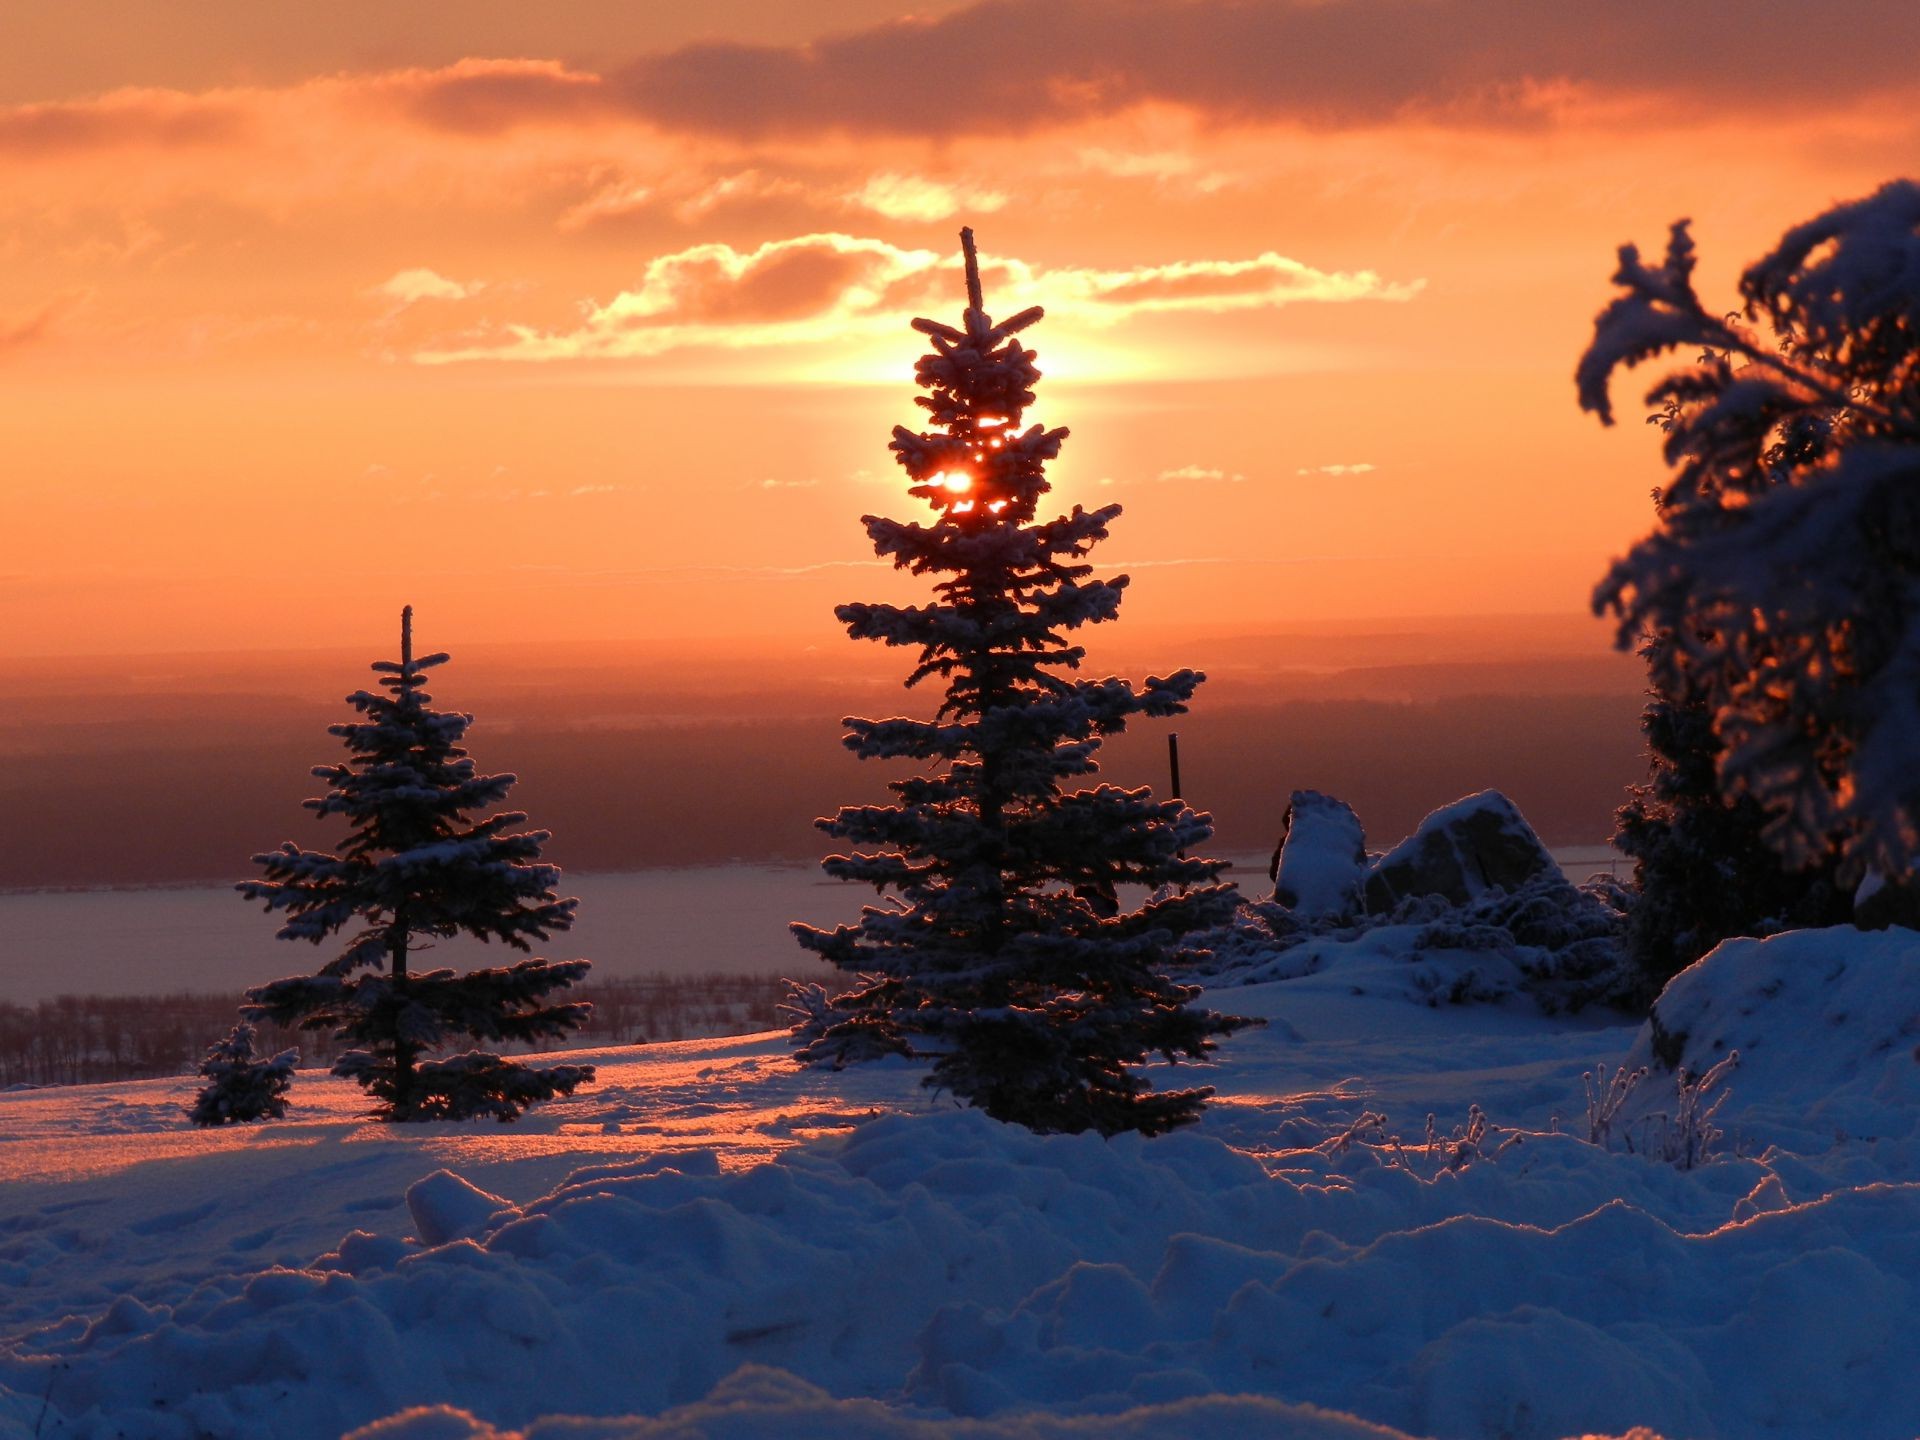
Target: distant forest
point(94, 1039)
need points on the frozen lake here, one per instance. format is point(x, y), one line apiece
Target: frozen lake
point(728, 919)
point(702, 920)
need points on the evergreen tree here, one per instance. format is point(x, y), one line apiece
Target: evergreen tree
point(1782, 575)
point(1702, 868)
point(415, 867)
point(1004, 951)
point(241, 1087)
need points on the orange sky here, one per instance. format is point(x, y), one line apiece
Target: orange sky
point(588, 319)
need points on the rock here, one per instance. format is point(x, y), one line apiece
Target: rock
point(1825, 1023)
point(1323, 859)
point(1460, 852)
point(1881, 903)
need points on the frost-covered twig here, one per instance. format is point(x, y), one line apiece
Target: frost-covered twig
point(1605, 1098)
point(1370, 1126)
point(1693, 1132)
point(1442, 1153)
point(1686, 1138)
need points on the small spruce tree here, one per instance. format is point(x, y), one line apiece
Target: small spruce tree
point(1004, 951)
point(241, 1087)
point(415, 868)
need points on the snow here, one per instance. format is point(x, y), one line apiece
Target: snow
point(1827, 1027)
point(713, 1242)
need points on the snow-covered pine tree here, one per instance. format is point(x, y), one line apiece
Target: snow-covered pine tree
point(1784, 574)
point(1003, 951)
point(1703, 871)
point(415, 868)
point(241, 1087)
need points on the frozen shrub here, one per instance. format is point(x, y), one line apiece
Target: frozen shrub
point(1605, 1098)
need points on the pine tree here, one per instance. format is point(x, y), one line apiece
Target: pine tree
point(241, 1087)
point(1004, 951)
point(414, 868)
point(1702, 868)
point(1782, 573)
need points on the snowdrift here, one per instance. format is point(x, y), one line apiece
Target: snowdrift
point(715, 1243)
point(1827, 1027)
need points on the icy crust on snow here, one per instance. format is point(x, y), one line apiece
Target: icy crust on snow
point(757, 1403)
point(1827, 1026)
point(953, 1266)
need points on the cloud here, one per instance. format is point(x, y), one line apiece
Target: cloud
point(620, 201)
point(835, 288)
point(914, 197)
point(1360, 469)
point(122, 119)
point(37, 324)
point(1188, 473)
point(1029, 63)
point(485, 97)
point(410, 286)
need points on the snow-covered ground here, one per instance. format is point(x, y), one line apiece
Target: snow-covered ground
point(711, 1242)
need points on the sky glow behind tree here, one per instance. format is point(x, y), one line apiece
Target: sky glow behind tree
point(515, 279)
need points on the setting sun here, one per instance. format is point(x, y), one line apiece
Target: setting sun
point(1210, 710)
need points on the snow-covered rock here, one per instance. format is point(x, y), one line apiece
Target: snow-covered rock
point(1459, 852)
point(1827, 1025)
point(1475, 907)
point(1880, 902)
point(1323, 860)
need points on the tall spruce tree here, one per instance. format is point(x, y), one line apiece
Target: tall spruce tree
point(415, 868)
point(1781, 578)
point(1004, 951)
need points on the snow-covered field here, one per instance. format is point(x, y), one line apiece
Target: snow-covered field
point(710, 1242)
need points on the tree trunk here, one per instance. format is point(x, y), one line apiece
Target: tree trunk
point(403, 1049)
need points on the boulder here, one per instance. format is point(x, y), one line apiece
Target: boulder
point(1881, 903)
point(1460, 852)
point(1323, 858)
